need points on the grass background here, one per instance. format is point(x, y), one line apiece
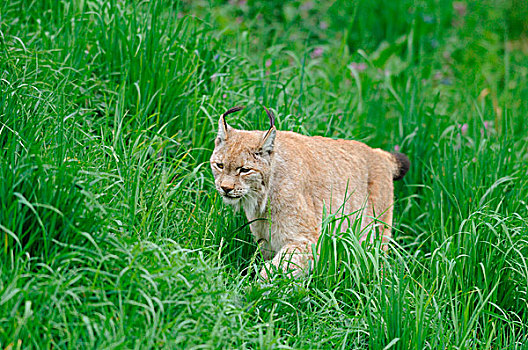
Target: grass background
point(112, 235)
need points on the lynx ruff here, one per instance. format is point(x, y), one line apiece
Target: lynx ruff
point(283, 180)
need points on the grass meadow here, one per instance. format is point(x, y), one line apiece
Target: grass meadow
point(112, 235)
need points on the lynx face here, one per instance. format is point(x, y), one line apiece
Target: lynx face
point(241, 164)
point(239, 173)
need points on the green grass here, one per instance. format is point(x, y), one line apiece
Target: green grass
point(112, 235)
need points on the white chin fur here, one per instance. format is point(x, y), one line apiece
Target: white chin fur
point(250, 205)
point(248, 202)
point(231, 201)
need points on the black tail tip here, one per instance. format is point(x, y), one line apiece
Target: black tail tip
point(403, 165)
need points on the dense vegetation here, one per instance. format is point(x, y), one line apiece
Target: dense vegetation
point(112, 235)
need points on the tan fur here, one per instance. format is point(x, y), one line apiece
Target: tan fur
point(291, 178)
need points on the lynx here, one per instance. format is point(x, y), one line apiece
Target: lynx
point(283, 180)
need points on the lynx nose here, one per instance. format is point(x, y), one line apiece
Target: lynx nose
point(226, 189)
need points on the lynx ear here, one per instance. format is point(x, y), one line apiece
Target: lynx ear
point(268, 141)
point(223, 128)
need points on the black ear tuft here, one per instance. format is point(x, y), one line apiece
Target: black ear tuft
point(223, 128)
point(271, 117)
point(233, 110)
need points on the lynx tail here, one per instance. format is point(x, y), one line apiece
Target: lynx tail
point(403, 165)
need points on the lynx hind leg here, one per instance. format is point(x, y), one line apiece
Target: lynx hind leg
point(387, 228)
point(381, 200)
point(292, 258)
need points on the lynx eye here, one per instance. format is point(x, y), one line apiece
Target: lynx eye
point(243, 170)
point(220, 165)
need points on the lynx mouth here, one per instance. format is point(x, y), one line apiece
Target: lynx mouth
point(232, 197)
point(231, 200)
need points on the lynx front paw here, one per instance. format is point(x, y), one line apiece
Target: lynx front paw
point(287, 269)
point(266, 271)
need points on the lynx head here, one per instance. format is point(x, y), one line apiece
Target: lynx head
point(241, 163)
